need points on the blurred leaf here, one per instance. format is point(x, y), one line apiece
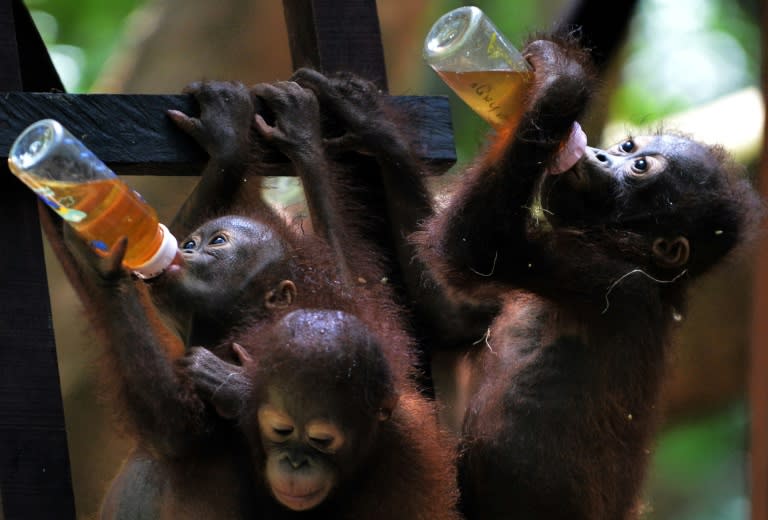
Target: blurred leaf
point(699, 469)
point(93, 26)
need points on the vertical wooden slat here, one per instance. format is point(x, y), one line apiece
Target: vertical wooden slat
point(37, 71)
point(35, 479)
point(344, 35)
point(10, 73)
point(758, 387)
point(334, 35)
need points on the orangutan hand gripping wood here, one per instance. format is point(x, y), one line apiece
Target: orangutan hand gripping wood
point(324, 444)
point(197, 310)
point(367, 137)
point(240, 275)
point(234, 267)
point(590, 262)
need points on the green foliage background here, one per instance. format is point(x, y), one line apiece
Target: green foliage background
point(81, 35)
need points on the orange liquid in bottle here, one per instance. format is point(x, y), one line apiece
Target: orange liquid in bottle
point(496, 95)
point(113, 210)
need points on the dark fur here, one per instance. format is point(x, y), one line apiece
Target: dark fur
point(185, 455)
point(198, 461)
point(395, 468)
point(565, 384)
point(408, 445)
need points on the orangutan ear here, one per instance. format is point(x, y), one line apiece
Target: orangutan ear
point(671, 253)
point(281, 296)
point(242, 354)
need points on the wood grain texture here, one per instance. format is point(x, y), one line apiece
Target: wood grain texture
point(336, 35)
point(133, 135)
point(35, 480)
point(10, 72)
point(34, 460)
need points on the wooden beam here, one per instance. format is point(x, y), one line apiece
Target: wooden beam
point(35, 479)
point(132, 134)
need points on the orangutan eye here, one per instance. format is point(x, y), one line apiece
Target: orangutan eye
point(189, 244)
point(627, 146)
point(282, 431)
point(325, 436)
point(640, 166)
point(647, 167)
point(322, 442)
point(275, 425)
point(217, 240)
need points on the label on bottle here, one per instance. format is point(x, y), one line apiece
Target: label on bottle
point(48, 196)
point(496, 95)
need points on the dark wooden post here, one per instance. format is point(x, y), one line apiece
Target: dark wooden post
point(334, 35)
point(758, 387)
point(35, 480)
point(344, 35)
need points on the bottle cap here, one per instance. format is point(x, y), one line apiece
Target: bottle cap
point(162, 259)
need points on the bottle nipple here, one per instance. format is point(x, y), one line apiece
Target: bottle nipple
point(163, 258)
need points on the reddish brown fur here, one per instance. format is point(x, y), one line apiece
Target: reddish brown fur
point(188, 462)
point(183, 447)
point(407, 472)
point(410, 472)
point(566, 383)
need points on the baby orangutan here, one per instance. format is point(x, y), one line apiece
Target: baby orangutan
point(332, 431)
point(241, 275)
point(590, 258)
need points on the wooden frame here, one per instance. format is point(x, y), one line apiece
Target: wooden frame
point(34, 461)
